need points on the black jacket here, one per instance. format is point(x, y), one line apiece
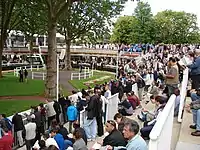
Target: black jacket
point(115, 138)
point(18, 123)
point(56, 107)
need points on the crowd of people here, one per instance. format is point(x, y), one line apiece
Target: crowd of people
point(157, 78)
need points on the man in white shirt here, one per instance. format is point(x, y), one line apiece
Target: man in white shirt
point(30, 128)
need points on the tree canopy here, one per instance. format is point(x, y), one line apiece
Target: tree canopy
point(167, 27)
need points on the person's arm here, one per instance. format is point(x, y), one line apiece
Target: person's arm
point(172, 75)
point(195, 64)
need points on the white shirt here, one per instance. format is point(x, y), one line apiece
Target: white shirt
point(30, 130)
point(50, 110)
point(49, 141)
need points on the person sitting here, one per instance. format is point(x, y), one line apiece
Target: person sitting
point(115, 137)
point(125, 107)
point(135, 141)
point(76, 126)
point(148, 125)
point(58, 138)
point(79, 142)
point(120, 119)
point(134, 100)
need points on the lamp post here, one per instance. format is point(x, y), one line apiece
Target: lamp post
point(57, 78)
point(117, 67)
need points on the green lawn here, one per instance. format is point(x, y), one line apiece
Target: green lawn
point(10, 86)
point(9, 107)
point(79, 84)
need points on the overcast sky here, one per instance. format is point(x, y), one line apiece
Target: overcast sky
point(190, 6)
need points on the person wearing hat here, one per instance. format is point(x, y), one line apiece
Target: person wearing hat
point(195, 70)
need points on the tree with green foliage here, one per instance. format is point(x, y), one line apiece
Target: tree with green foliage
point(33, 20)
point(144, 25)
point(87, 19)
point(8, 20)
point(176, 27)
point(124, 30)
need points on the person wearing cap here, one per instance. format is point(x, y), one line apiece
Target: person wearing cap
point(195, 70)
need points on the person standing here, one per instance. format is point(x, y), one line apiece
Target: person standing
point(51, 114)
point(172, 76)
point(30, 128)
point(25, 75)
point(57, 109)
point(18, 127)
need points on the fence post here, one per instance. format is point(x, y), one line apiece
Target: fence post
point(37, 67)
point(43, 76)
point(25, 67)
point(79, 76)
point(71, 76)
point(31, 68)
point(88, 69)
point(32, 75)
point(85, 75)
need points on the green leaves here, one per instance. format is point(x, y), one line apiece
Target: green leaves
point(165, 27)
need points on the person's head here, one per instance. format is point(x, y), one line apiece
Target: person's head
point(41, 105)
point(159, 100)
point(177, 92)
point(131, 128)
point(73, 92)
point(76, 125)
point(197, 52)
point(42, 144)
point(54, 123)
point(172, 61)
point(77, 134)
point(46, 135)
point(1, 116)
point(54, 131)
point(118, 117)
point(110, 126)
point(52, 147)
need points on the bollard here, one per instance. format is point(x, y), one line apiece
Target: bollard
point(31, 68)
point(37, 67)
point(43, 75)
point(32, 75)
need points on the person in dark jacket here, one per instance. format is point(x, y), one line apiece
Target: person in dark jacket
point(115, 137)
point(57, 109)
point(62, 102)
point(18, 127)
point(38, 121)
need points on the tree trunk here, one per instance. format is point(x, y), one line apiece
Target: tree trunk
point(2, 41)
point(50, 90)
point(68, 65)
point(1, 53)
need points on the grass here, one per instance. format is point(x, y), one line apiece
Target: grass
point(16, 106)
point(79, 84)
point(10, 86)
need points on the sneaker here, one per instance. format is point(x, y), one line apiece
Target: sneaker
point(196, 133)
point(89, 140)
point(193, 126)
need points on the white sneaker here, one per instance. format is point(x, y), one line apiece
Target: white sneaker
point(89, 140)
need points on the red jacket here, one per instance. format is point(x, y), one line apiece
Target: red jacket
point(6, 142)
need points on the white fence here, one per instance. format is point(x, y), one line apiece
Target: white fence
point(38, 75)
point(31, 68)
point(161, 134)
point(183, 94)
point(83, 75)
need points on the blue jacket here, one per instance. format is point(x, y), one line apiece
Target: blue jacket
point(195, 67)
point(60, 141)
point(72, 113)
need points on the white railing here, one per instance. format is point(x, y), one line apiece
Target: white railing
point(161, 134)
point(112, 106)
point(83, 75)
point(38, 75)
point(183, 94)
point(31, 68)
